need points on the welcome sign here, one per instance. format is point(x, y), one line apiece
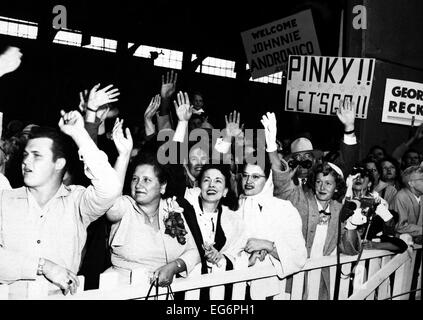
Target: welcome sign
point(269, 46)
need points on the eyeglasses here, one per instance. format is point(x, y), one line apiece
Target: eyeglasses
point(254, 177)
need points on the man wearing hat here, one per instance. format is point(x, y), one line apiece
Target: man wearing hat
point(303, 156)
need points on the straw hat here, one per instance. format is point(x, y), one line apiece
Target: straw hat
point(304, 145)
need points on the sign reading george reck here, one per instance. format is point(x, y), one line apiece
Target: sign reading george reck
point(403, 101)
point(318, 84)
point(268, 47)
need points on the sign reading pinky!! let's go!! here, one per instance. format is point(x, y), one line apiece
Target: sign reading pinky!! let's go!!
point(317, 84)
point(403, 101)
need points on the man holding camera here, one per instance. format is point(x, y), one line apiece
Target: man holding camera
point(304, 157)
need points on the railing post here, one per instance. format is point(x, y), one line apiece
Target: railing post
point(344, 282)
point(360, 272)
point(37, 289)
point(4, 292)
point(282, 295)
point(374, 266)
point(298, 286)
point(313, 284)
point(108, 280)
point(403, 277)
point(384, 290)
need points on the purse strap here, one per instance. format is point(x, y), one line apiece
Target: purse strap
point(170, 293)
point(155, 283)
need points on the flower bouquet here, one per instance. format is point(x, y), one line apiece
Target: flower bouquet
point(173, 221)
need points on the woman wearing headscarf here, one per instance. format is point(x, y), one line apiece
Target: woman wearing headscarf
point(273, 230)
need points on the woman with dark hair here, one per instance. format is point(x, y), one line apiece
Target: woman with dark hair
point(377, 153)
point(149, 233)
point(390, 174)
point(385, 190)
point(366, 213)
point(222, 234)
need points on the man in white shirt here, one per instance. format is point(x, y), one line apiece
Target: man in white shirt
point(409, 205)
point(43, 224)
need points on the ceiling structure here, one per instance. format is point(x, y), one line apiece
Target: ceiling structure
point(209, 28)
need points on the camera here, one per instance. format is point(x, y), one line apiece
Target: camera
point(360, 170)
point(306, 164)
point(367, 202)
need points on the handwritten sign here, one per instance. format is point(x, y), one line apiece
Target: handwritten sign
point(269, 46)
point(318, 84)
point(403, 101)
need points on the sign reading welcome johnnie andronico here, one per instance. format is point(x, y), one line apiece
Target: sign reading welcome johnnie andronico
point(268, 47)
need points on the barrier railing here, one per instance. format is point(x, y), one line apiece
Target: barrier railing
point(379, 275)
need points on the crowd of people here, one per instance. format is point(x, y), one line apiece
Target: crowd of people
point(79, 199)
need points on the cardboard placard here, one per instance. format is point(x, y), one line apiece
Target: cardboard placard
point(318, 84)
point(403, 101)
point(269, 46)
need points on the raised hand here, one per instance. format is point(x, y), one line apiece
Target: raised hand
point(183, 107)
point(61, 277)
point(419, 133)
point(346, 114)
point(83, 99)
point(233, 121)
point(168, 85)
point(10, 60)
point(71, 123)
point(152, 107)
point(98, 98)
point(123, 144)
point(270, 130)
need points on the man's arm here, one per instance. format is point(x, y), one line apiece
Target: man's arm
point(282, 174)
point(167, 90)
point(349, 146)
point(151, 110)
point(106, 187)
point(233, 129)
point(399, 151)
point(124, 147)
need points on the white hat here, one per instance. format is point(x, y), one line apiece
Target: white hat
point(336, 169)
point(304, 145)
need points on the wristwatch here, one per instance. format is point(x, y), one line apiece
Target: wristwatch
point(41, 264)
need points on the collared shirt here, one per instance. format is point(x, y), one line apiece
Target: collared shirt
point(58, 230)
point(207, 223)
point(321, 233)
point(191, 181)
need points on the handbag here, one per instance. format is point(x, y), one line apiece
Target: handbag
point(155, 284)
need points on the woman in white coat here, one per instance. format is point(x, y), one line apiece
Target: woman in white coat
point(273, 228)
